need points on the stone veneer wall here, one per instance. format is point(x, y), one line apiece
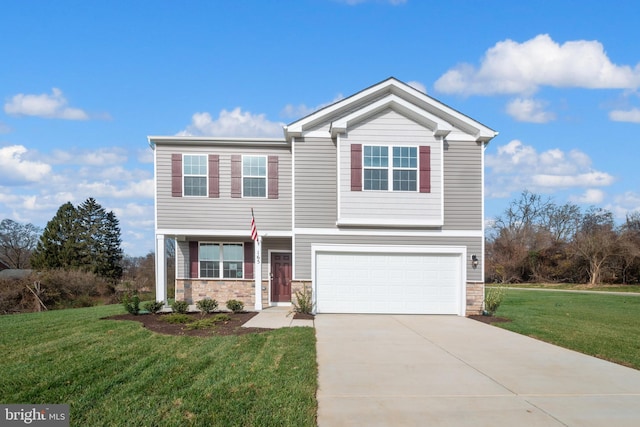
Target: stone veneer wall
point(475, 298)
point(193, 290)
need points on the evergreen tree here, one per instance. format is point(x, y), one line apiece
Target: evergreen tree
point(86, 238)
point(59, 245)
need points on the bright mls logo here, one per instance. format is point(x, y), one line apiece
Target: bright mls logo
point(36, 415)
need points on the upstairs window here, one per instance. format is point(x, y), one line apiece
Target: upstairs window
point(403, 168)
point(254, 176)
point(195, 175)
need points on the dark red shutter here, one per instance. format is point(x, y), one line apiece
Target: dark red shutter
point(356, 167)
point(176, 175)
point(194, 265)
point(248, 260)
point(273, 177)
point(236, 175)
point(425, 169)
point(214, 175)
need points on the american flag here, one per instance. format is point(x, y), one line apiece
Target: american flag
point(254, 229)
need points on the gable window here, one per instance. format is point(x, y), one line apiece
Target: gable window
point(221, 260)
point(403, 168)
point(195, 175)
point(254, 176)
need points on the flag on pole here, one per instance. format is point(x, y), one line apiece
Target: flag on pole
point(254, 229)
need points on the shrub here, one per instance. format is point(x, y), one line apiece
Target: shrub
point(131, 303)
point(492, 299)
point(303, 303)
point(235, 305)
point(153, 306)
point(207, 305)
point(176, 318)
point(202, 324)
point(180, 307)
point(221, 317)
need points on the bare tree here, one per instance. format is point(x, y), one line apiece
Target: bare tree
point(17, 242)
point(596, 242)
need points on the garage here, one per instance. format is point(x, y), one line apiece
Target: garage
point(389, 280)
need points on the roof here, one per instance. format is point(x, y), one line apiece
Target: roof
point(14, 273)
point(391, 93)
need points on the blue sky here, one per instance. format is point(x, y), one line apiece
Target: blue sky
point(82, 84)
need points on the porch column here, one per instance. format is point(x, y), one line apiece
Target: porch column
point(161, 270)
point(257, 273)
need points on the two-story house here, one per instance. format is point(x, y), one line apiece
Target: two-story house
point(375, 203)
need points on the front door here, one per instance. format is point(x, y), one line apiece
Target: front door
point(280, 277)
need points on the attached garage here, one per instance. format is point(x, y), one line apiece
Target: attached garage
point(389, 279)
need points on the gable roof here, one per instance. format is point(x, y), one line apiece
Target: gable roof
point(394, 94)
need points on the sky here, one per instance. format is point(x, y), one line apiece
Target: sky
point(83, 83)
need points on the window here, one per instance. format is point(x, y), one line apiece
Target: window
point(403, 169)
point(254, 176)
point(195, 175)
point(227, 258)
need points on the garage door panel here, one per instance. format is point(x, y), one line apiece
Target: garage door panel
point(388, 283)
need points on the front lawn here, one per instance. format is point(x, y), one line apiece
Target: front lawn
point(601, 325)
point(117, 373)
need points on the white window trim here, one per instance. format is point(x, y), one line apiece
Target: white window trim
point(390, 168)
point(266, 176)
point(221, 261)
point(206, 175)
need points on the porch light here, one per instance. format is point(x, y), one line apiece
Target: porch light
point(474, 261)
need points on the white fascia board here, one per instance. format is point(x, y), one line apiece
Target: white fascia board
point(222, 233)
point(435, 123)
point(208, 140)
point(380, 222)
point(390, 233)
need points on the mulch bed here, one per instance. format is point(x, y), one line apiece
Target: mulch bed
point(489, 319)
point(303, 316)
point(156, 323)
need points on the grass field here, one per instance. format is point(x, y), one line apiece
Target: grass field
point(576, 287)
point(601, 325)
point(115, 373)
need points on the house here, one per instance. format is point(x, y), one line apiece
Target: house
point(374, 202)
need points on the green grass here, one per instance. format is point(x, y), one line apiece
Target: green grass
point(601, 325)
point(576, 287)
point(115, 373)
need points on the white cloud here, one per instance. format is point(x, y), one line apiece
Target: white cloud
point(53, 106)
point(529, 110)
point(517, 166)
point(235, 123)
point(417, 85)
point(510, 67)
point(99, 157)
point(589, 197)
point(299, 111)
point(17, 170)
point(632, 115)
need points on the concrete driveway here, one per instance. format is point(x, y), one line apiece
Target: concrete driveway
point(402, 370)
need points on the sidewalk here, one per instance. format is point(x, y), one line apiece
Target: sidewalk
point(276, 317)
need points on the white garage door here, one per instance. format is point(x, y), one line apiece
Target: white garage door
point(400, 283)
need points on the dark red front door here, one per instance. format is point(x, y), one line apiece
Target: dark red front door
point(280, 277)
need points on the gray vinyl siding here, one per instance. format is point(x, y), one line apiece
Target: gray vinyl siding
point(315, 181)
point(463, 185)
point(223, 212)
point(390, 128)
point(268, 244)
point(302, 257)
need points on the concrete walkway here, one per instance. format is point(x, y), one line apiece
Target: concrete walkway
point(392, 370)
point(276, 317)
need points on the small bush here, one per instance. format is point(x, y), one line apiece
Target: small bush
point(235, 305)
point(303, 303)
point(153, 306)
point(180, 307)
point(176, 318)
point(492, 299)
point(207, 305)
point(202, 324)
point(221, 317)
point(131, 304)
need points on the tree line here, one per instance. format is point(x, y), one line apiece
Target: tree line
point(537, 240)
